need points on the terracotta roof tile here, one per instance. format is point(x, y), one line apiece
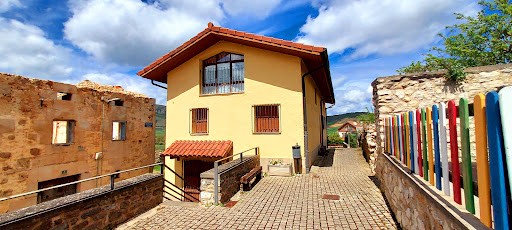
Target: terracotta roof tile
point(200, 149)
point(243, 36)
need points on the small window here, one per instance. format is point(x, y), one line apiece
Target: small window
point(64, 96)
point(118, 102)
point(119, 130)
point(266, 119)
point(63, 132)
point(199, 121)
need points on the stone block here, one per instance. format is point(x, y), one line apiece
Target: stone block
point(5, 155)
point(7, 126)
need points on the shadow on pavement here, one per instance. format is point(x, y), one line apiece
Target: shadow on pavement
point(325, 161)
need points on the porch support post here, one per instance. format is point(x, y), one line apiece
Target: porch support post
point(216, 183)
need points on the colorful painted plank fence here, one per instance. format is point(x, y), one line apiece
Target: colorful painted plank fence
point(427, 142)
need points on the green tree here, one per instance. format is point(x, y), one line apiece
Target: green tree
point(334, 139)
point(482, 40)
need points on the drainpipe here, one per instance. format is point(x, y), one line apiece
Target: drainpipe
point(322, 127)
point(157, 85)
point(305, 114)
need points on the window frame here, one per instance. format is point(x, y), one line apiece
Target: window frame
point(254, 131)
point(70, 132)
point(192, 120)
point(204, 64)
point(121, 136)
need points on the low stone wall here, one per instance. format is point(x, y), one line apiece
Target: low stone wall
point(99, 208)
point(369, 146)
point(415, 204)
point(401, 93)
point(229, 179)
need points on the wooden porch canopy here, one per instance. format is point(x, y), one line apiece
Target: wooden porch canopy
point(199, 149)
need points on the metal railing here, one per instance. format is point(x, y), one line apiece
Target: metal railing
point(112, 180)
point(185, 183)
point(216, 172)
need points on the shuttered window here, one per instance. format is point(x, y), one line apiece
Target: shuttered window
point(199, 121)
point(266, 119)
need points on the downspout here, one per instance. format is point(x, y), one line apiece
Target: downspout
point(322, 126)
point(305, 114)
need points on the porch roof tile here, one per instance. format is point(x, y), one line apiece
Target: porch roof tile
point(190, 148)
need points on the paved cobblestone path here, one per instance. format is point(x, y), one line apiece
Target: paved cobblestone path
point(290, 202)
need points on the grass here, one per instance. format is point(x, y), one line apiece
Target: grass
point(159, 132)
point(156, 168)
point(332, 130)
point(159, 147)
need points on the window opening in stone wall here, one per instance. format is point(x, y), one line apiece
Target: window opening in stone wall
point(118, 102)
point(57, 192)
point(64, 96)
point(119, 130)
point(63, 132)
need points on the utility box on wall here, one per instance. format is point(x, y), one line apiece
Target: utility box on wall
point(296, 151)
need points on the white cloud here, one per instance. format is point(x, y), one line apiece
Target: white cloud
point(130, 32)
point(353, 97)
point(6, 5)
point(380, 26)
point(259, 9)
point(25, 50)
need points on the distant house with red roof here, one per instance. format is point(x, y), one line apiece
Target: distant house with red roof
point(349, 127)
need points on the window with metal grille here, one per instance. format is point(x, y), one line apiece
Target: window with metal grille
point(199, 121)
point(266, 119)
point(223, 73)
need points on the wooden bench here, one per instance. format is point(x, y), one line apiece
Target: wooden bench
point(246, 181)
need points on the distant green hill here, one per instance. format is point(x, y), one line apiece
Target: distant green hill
point(160, 115)
point(160, 128)
point(335, 121)
point(336, 118)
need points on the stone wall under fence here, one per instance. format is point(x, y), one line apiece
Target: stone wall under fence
point(415, 204)
point(99, 208)
point(229, 179)
point(401, 93)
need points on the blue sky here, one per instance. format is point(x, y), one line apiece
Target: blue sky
point(108, 41)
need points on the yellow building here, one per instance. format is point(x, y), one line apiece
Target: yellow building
point(247, 91)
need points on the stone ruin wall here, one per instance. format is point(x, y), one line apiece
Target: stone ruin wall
point(401, 93)
point(27, 155)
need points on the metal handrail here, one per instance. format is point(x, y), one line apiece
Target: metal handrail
point(216, 171)
point(80, 181)
point(174, 172)
point(181, 190)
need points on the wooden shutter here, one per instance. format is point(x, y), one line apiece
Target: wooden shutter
point(266, 118)
point(200, 120)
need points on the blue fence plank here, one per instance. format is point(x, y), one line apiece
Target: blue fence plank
point(437, 153)
point(411, 139)
point(496, 160)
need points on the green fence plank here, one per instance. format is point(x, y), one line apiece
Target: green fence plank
point(467, 176)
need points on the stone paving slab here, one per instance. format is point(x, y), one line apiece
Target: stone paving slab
point(290, 202)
